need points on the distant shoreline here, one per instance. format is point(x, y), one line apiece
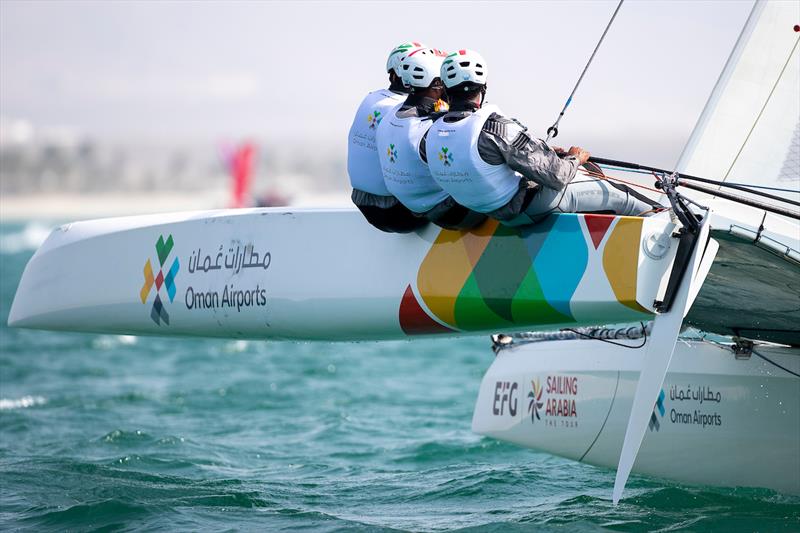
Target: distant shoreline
point(61, 206)
point(74, 206)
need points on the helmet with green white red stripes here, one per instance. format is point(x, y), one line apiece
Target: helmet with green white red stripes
point(465, 68)
point(421, 66)
point(399, 53)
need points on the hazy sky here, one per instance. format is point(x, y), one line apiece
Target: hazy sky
point(208, 70)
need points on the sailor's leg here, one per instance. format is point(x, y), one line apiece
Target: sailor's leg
point(544, 202)
point(653, 205)
point(588, 196)
point(387, 213)
point(451, 215)
point(601, 196)
point(395, 219)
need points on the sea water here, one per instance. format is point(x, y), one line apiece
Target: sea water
point(127, 433)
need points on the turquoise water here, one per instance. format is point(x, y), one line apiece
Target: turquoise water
point(123, 433)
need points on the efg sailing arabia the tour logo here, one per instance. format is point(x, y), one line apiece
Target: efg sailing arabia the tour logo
point(158, 312)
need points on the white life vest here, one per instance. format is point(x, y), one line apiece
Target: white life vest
point(362, 155)
point(457, 167)
point(405, 174)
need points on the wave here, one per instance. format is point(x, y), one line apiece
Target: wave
point(109, 342)
point(21, 403)
point(28, 239)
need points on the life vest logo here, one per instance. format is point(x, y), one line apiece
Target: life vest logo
point(374, 119)
point(535, 402)
point(446, 156)
point(392, 153)
point(654, 424)
point(158, 312)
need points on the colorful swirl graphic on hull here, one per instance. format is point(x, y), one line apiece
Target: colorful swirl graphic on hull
point(500, 277)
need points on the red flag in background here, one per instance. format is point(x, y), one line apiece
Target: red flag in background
point(240, 166)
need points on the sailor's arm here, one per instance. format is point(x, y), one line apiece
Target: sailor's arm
point(531, 157)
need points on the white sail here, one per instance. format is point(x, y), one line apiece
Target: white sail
point(749, 131)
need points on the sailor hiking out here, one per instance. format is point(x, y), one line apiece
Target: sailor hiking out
point(370, 194)
point(401, 145)
point(490, 164)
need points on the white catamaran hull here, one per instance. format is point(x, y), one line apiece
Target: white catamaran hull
point(327, 274)
point(718, 420)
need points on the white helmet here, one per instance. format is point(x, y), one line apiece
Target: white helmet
point(465, 66)
point(421, 66)
point(399, 53)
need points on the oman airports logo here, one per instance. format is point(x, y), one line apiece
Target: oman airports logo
point(446, 156)
point(535, 402)
point(392, 153)
point(658, 408)
point(158, 312)
point(374, 119)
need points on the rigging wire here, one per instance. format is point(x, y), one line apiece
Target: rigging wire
point(749, 185)
point(636, 166)
point(742, 200)
point(552, 131)
point(776, 364)
point(598, 175)
point(726, 346)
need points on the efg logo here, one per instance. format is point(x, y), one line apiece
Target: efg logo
point(158, 312)
point(505, 398)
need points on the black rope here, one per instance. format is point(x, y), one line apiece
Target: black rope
point(636, 166)
point(592, 337)
point(739, 187)
point(742, 200)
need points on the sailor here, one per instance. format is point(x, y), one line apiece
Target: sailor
point(370, 194)
point(401, 145)
point(490, 163)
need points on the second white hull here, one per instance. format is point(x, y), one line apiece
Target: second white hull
point(721, 420)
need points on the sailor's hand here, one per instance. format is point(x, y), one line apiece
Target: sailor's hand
point(582, 155)
point(559, 150)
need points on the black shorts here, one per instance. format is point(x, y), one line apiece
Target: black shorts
point(451, 215)
point(395, 219)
